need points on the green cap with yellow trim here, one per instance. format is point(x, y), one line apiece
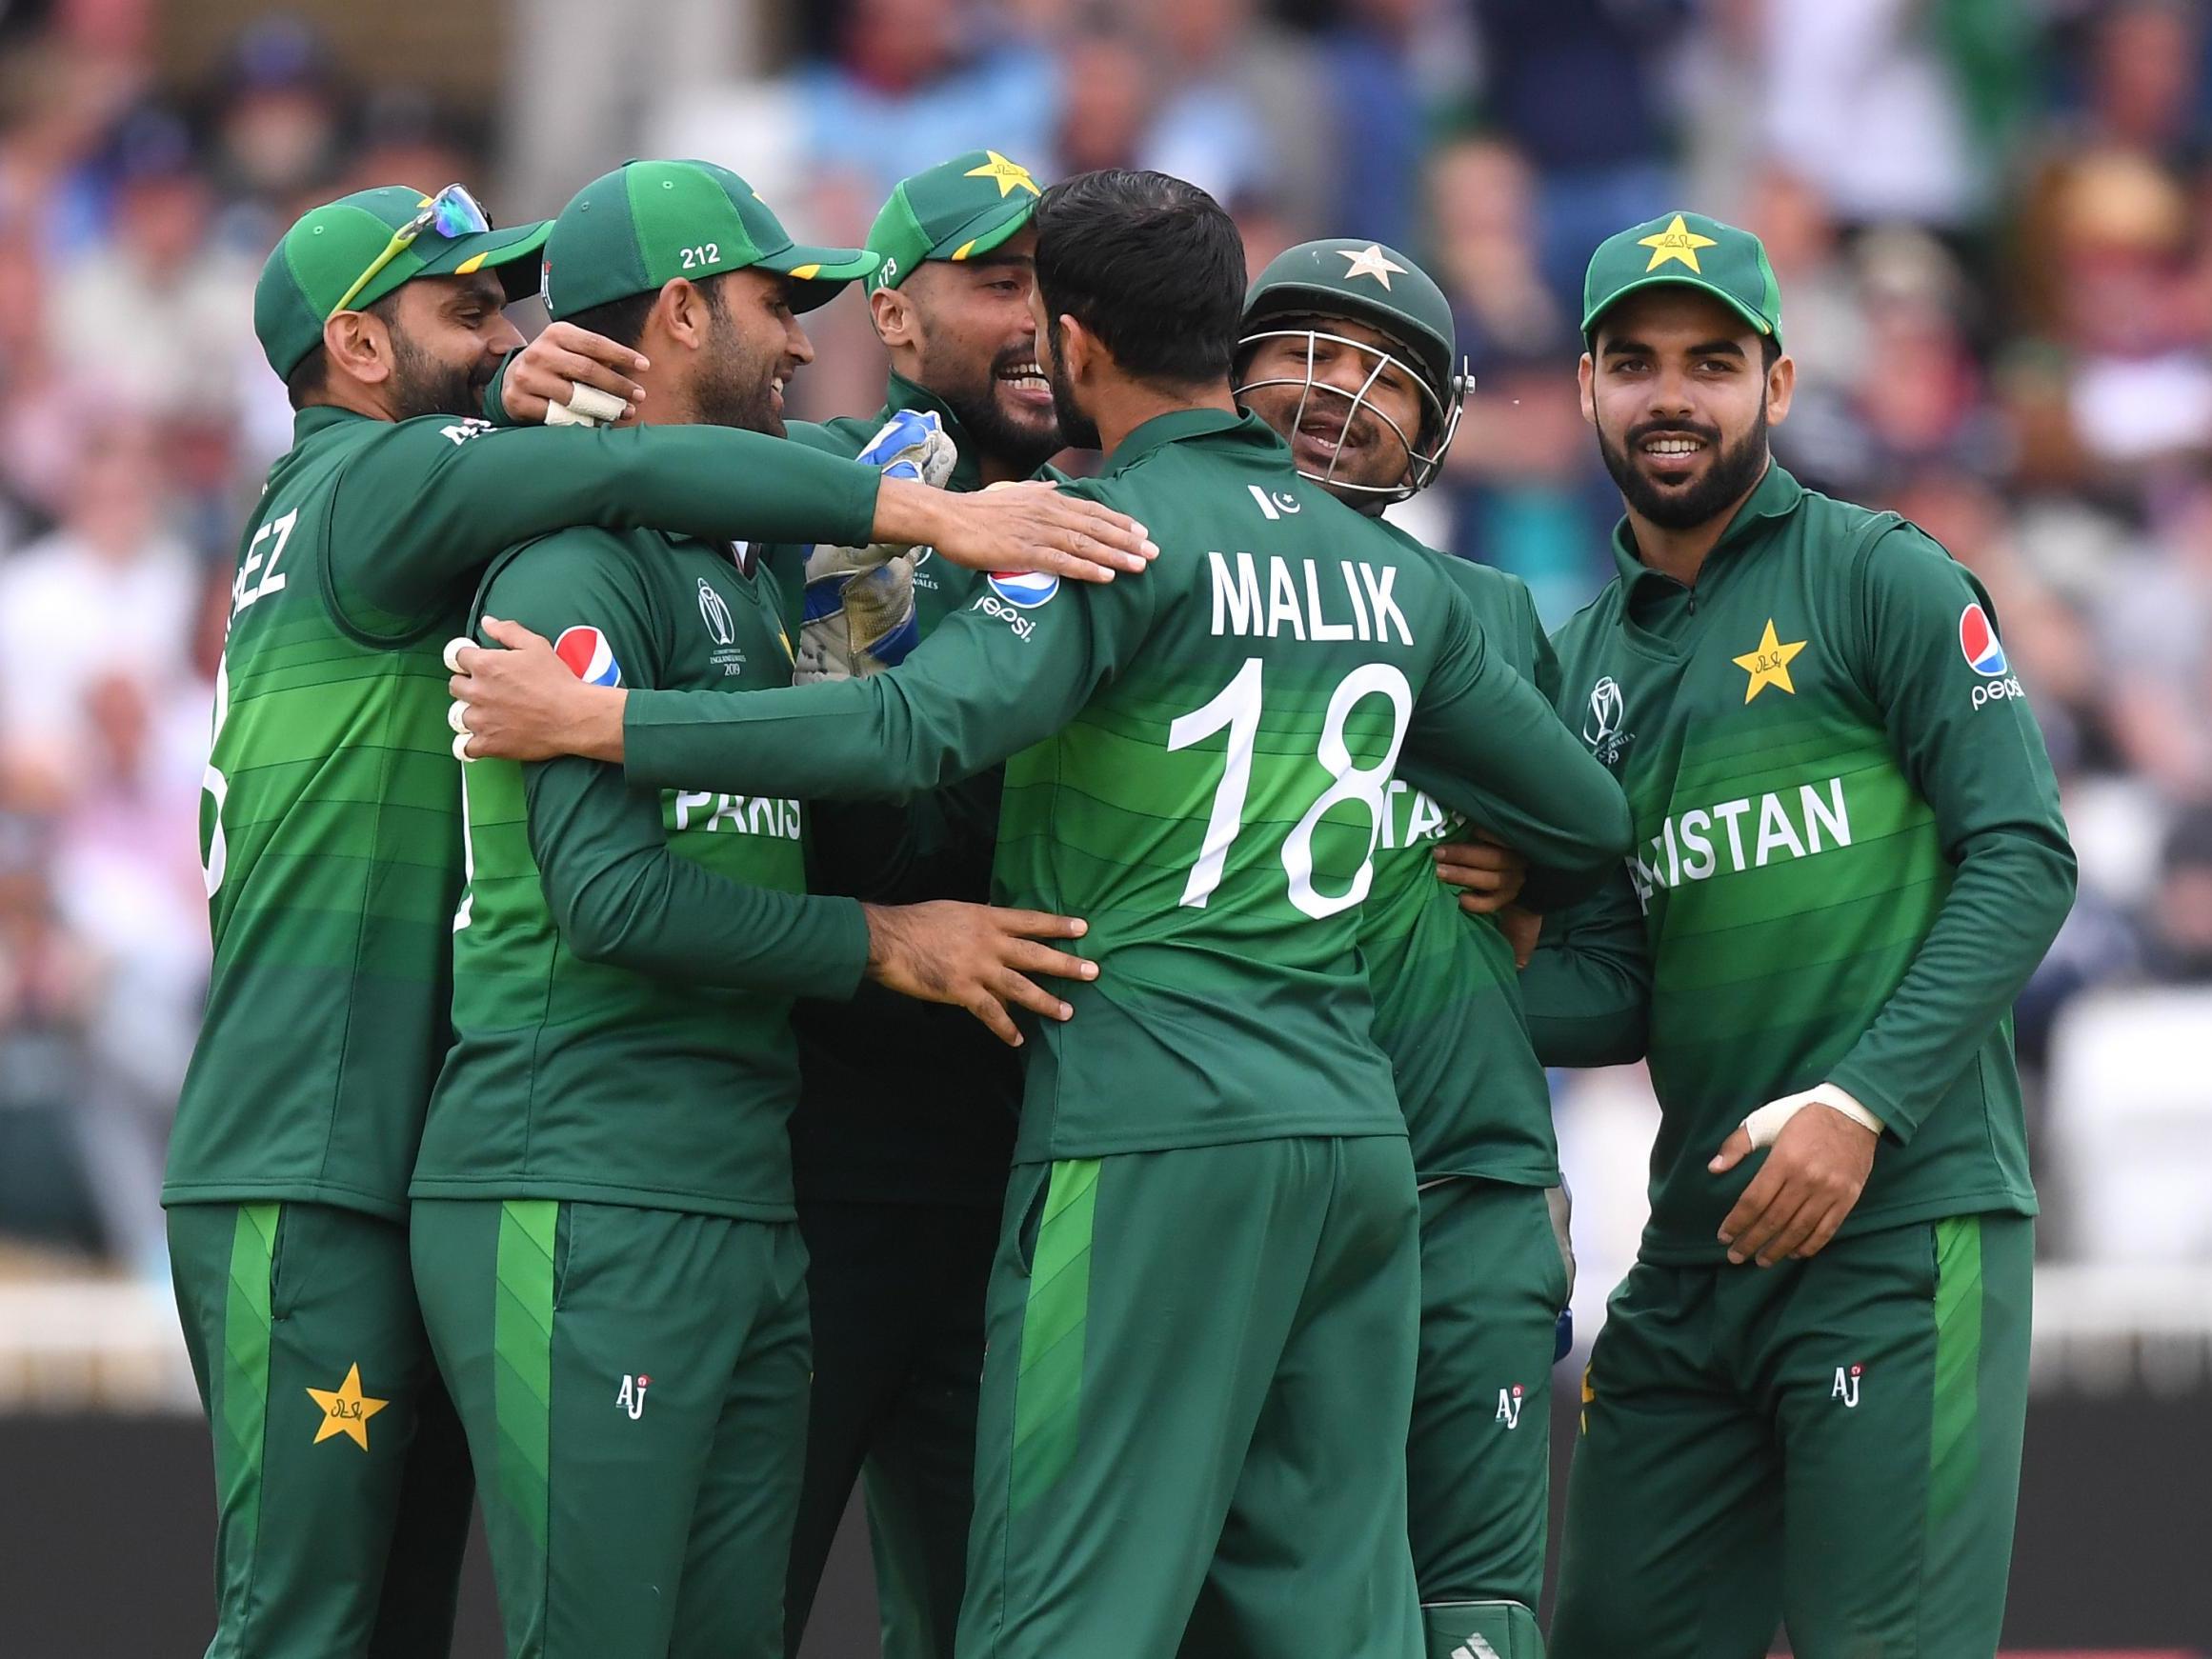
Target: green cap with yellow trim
point(630, 230)
point(1690, 251)
point(323, 254)
point(960, 208)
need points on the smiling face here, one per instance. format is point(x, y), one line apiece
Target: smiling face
point(756, 348)
point(449, 335)
point(972, 335)
point(1677, 386)
point(1342, 395)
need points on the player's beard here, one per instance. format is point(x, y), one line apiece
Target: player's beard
point(1020, 444)
point(423, 384)
point(735, 384)
point(1076, 427)
point(1730, 476)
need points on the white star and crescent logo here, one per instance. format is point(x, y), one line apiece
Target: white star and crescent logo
point(1370, 261)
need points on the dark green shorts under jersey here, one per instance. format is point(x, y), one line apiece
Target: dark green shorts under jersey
point(1195, 1405)
point(1833, 1444)
point(897, 1292)
point(1493, 1278)
point(633, 1385)
point(342, 1480)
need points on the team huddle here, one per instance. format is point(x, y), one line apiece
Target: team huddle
point(752, 959)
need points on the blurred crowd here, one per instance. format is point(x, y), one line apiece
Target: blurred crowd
point(1991, 220)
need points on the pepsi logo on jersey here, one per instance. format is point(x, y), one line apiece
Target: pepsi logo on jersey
point(588, 657)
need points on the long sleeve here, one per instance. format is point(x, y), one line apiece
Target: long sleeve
point(423, 510)
point(1587, 989)
point(982, 686)
point(1485, 743)
point(621, 896)
point(1966, 740)
point(618, 892)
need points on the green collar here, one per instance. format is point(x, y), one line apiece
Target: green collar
point(1777, 495)
point(902, 393)
point(1176, 425)
point(320, 417)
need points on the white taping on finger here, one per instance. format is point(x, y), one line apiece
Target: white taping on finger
point(453, 652)
point(556, 415)
point(592, 403)
point(457, 716)
point(461, 750)
point(1766, 1124)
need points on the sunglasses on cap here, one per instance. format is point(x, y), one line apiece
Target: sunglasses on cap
point(452, 212)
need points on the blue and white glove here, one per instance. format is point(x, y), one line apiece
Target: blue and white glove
point(859, 615)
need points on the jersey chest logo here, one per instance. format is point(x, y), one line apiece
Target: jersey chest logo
point(1768, 663)
point(1603, 723)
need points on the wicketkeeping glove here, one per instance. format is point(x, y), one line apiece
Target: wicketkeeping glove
point(859, 616)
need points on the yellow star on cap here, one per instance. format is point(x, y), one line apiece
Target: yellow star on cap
point(346, 1411)
point(1770, 664)
point(1677, 241)
point(1370, 261)
point(1009, 175)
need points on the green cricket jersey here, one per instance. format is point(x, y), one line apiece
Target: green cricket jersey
point(1201, 759)
point(926, 1113)
point(330, 826)
point(1447, 993)
point(625, 958)
point(1848, 856)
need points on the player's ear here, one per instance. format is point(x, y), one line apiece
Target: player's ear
point(894, 315)
point(1080, 350)
point(679, 314)
point(1782, 385)
point(359, 346)
point(1586, 379)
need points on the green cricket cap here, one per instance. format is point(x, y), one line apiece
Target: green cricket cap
point(959, 209)
point(324, 253)
point(1690, 251)
point(630, 230)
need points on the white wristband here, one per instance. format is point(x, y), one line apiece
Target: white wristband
point(1765, 1123)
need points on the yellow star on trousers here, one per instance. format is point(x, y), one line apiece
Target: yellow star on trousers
point(1677, 241)
point(346, 1411)
point(1008, 175)
point(1770, 664)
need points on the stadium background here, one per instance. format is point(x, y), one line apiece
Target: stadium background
point(1992, 220)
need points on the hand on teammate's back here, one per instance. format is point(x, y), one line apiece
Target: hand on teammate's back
point(549, 370)
point(1488, 875)
point(974, 956)
point(1014, 527)
point(518, 701)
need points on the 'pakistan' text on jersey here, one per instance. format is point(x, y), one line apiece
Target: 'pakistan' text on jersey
point(330, 824)
point(1201, 759)
point(1447, 991)
point(1848, 852)
point(624, 959)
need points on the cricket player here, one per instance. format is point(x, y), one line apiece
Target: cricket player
point(1807, 1401)
point(603, 1221)
point(1204, 1313)
point(1348, 353)
point(899, 1188)
point(334, 860)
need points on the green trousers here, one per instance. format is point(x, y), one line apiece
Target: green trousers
point(1195, 1406)
point(1494, 1277)
point(1831, 1445)
point(896, 1294)
point(633, 1386)
point(341, 1478)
